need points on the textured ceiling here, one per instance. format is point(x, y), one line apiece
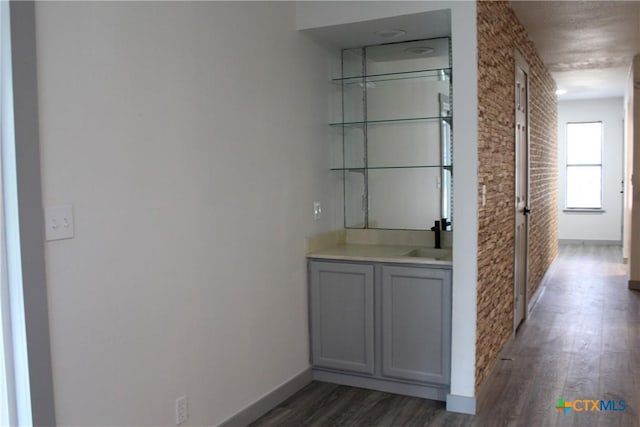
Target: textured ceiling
point(587, 45)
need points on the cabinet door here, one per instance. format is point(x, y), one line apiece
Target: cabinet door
point(341, 316)
point(416, 323)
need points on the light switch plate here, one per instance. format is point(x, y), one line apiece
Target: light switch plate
point(58, 222)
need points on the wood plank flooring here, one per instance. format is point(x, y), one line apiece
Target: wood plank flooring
point(581, 341)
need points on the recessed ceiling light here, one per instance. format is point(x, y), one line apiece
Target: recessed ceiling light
point(420, 50)
point(388, 34)
point(561, 91)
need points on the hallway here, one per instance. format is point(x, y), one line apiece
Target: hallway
point(581, 341)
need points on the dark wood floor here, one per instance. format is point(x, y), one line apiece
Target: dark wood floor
point(582, 341)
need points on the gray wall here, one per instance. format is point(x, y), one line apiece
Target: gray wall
point(28, 212)
point(190, 138)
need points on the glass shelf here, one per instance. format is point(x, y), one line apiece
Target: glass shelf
point(381, 122)
point(391, 138)
point(438, 74)
point(362, 169)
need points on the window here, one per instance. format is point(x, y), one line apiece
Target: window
point(584, 165)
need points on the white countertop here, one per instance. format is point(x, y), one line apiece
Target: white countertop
point(384, 253)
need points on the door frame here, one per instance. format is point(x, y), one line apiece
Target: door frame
point(520, 62)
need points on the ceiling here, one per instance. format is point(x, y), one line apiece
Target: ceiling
point(587, 45)
point(425, 25)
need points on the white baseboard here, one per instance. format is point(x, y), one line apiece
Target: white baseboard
point(255, 410)
point(590, 242)
point(461, 404)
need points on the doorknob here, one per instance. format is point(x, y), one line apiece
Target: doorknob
point(526, 210)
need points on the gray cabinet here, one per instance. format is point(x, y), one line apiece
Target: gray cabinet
point(381, 326)
point(341, 312)
point(416, 313)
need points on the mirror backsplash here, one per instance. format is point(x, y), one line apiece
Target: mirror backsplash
point(394, 140)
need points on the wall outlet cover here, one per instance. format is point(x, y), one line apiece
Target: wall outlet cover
point(317, 210)
point(182, 409)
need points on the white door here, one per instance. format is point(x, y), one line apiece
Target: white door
point(521, 193)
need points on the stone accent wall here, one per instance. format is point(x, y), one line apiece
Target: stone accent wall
point(499, 32)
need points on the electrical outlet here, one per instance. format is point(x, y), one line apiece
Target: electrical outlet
point(317, 210)
point(182, 409)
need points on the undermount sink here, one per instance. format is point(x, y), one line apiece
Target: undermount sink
point(431, 253)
